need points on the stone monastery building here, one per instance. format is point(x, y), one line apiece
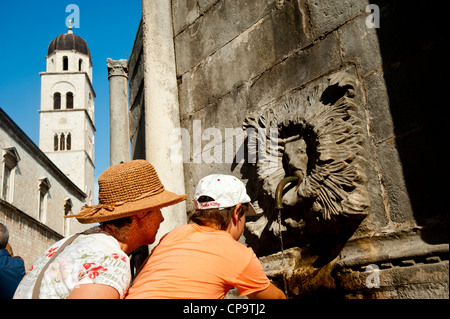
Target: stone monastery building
point(39, 185)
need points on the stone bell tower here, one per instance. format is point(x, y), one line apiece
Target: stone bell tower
point(67, 110)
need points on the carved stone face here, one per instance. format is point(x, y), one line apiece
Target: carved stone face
point(320, 140)
point(297, 161)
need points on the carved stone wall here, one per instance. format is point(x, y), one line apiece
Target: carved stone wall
point(319, 138)
point(359, 123)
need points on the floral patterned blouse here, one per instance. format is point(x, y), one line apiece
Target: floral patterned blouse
point(90, 259)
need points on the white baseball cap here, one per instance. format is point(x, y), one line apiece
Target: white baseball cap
point(226, 190)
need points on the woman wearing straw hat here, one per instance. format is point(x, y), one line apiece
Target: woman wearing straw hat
point(95, 263)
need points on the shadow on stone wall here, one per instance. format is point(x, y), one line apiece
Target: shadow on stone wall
point(412, 39)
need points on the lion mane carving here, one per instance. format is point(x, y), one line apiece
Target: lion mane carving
point(320, 140)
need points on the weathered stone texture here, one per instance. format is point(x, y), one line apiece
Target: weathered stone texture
point(136, 98)
point(118, 110)
point(28, 237)
point(31, 234)
point(238, 57)
point(326, 16)
point(295, 71)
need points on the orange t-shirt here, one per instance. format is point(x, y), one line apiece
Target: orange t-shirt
point(193, 261)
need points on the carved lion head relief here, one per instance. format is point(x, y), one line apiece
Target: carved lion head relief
point(319, 139)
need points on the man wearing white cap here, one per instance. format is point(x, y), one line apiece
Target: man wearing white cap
point(203, 259)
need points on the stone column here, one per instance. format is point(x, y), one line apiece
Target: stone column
point(161, 104)
point(118, 111)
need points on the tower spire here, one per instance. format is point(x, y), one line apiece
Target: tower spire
point(70, 27)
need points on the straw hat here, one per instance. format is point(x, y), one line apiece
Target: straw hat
point(126, 189)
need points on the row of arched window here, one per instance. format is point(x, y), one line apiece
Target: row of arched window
point(57, 100)
point(62, 142)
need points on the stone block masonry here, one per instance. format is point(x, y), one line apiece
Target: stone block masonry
point(28, 237)
point(233, 58)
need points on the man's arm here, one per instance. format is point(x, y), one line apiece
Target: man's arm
point(271, 292)
point(93, 291)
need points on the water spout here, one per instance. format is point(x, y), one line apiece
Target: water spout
point(279, 190)
point(279, 207)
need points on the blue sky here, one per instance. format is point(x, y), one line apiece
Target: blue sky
point(26, 29)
